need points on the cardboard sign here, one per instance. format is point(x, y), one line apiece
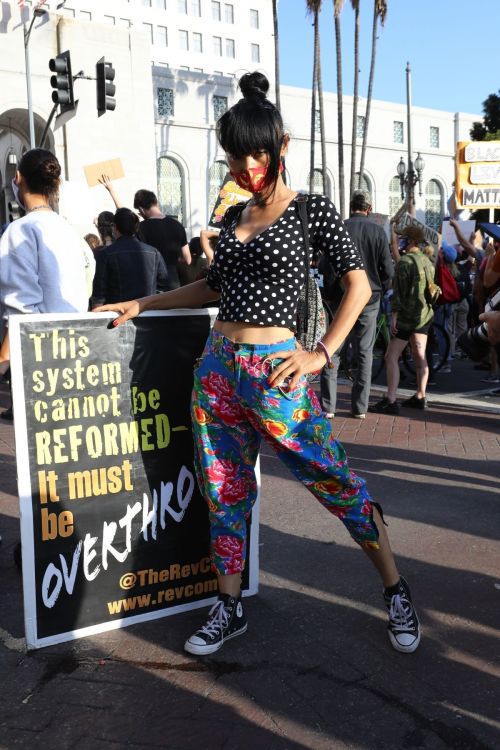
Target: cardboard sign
point(465, 227)
point(113, 168)
point(431, 236)
point(229, 194)
point(477, 174)
point(114, 529)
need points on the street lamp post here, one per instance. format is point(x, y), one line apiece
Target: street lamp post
point(37, 12)
point(408, 179)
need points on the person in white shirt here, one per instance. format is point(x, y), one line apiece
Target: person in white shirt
point(45, 266)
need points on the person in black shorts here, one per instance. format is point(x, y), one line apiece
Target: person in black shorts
point(250, 383)
point(412, 316)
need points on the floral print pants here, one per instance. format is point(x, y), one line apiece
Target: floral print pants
point(233, 408)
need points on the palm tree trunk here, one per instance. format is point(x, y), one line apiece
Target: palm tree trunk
point(340, 118)
point(276, 54)
point(313, 104)
point(355, 100)
point(370, 92)
point(321, 122)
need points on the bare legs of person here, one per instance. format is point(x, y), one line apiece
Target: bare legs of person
point(418, 346)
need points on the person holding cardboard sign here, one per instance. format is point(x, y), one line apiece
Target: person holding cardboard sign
point(250, 383)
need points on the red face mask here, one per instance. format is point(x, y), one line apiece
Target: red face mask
point(250, 179)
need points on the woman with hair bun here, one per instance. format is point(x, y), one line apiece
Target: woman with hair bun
point(250, 384)
point(45, 267)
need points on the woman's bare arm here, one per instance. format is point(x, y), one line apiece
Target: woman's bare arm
point(192, 295)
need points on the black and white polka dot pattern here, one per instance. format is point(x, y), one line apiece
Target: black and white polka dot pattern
point(260, 281)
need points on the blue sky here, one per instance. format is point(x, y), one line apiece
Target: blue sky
point(453, 52)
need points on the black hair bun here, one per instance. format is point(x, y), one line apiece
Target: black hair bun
point(254, 85)
point(50, 169)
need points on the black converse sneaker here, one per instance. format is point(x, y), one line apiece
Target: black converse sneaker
point(404, 628)
point(226, 620)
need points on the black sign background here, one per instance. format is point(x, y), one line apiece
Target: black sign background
point(142, 373)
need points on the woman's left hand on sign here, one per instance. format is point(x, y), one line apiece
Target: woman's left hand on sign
point(294, 365)
point(127, 310)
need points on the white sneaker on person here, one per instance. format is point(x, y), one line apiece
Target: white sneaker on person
point(403, 627)
point(226, 620)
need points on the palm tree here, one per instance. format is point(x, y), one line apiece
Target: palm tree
point(276, 54)
point(379, 11)
point(355, 6)
point(337, 9)
point(314, 9)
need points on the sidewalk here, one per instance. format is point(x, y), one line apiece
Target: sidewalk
point(316, 669)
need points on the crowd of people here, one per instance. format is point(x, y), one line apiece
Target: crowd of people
point(141, 260)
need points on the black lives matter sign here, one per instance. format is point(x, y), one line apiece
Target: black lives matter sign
point(114, 529)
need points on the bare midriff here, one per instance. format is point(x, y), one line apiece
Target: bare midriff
point(245, 333)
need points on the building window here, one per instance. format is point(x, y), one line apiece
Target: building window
point(165, 102)
point(318, 183)
point(215, 10)
point(197, 42)
point(182, 6)
point(170, 188)
point(434, 137)
point(229, 13)
point(255, 53)
point(229, 47)
point(162, 36)
point(398, 131)
point(360, 126)
point(395, 199)
point(254, 19)
point(125, 22)
point(109, 20)
point(161, 4)
point(195, 7)
point(217, 46)
point(216, 176)
point(220, 106)
point(85, 15)
point(434, 204)
point(149, 28)
point(183, 39)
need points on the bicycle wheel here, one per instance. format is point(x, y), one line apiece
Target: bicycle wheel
point(436, 351)
point(349, 356)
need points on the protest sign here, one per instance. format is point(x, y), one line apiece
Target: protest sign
point(477, 174)
point(113, 527)
point(431, 236)
point(465, 227)
point(113, 168)
point(229, 194)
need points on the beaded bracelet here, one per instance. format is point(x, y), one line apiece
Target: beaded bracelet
point(324, 351)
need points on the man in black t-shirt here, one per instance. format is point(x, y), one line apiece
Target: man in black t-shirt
point(163, 232)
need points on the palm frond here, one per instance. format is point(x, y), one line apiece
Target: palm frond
point(381, 10)
point(337, 7)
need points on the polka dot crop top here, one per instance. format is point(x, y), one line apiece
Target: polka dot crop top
point(260, 281)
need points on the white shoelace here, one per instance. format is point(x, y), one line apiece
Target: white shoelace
point(401, 618)
point(218, 620)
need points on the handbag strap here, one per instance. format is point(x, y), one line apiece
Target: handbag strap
point(301, 200)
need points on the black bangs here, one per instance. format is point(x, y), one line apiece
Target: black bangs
point(250, 126)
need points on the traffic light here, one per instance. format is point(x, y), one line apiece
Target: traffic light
point(14, 210)
point(62, 81)
point(105, 75)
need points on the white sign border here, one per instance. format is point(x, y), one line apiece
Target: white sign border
point(26, 494)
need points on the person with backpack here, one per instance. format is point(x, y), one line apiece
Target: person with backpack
point(250, 383)
point(412, 315)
